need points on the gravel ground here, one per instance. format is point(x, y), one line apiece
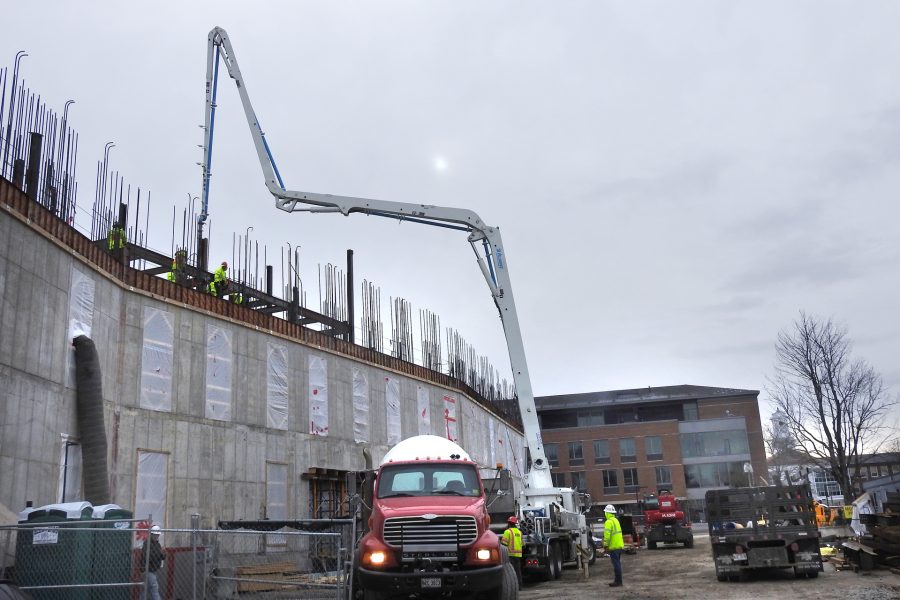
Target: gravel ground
point(676, 572)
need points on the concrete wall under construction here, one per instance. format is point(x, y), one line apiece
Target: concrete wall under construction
point(203, 414)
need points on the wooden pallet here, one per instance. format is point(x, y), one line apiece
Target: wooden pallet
point(273, 572)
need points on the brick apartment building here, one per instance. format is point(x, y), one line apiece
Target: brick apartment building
point(621, 445)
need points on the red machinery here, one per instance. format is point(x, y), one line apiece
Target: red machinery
point(664, 522)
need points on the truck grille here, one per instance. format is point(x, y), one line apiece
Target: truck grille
point(450, 529)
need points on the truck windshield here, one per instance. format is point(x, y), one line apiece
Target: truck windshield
point(428, 480)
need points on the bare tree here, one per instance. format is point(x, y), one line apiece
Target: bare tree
point(835, 406)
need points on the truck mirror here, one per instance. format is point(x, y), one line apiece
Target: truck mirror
point(505, 481)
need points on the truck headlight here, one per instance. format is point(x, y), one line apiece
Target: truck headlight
point(483, 554)
point(377, 558)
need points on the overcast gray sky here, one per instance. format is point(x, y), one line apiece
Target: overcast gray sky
point(674, 181)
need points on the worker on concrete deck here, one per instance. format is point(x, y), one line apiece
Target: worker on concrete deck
point(177, 275)
point(220, 280)
point(512, 539)
point(613, 543)
point(115, 241)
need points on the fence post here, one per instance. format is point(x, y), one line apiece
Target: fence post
point(195, 525)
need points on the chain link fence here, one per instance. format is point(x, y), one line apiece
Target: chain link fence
point(91, 560)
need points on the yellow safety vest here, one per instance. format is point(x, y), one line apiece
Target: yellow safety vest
point(612, 534)
point(512, 539)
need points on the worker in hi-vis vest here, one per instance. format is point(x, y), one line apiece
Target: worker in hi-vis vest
point(613, 543)
point(512, 539)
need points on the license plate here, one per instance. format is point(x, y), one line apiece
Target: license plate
point(742, 556)
point(431, 582)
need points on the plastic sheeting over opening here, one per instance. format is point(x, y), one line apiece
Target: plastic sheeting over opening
point(151, 486)
point(360, 405)
point(157, 358)
point(277, 386)
point(276, 499)
point(81, 316)
point(423, 409)
point(218, 373)
point(318, 395)
point(392, 409)
point(451, 430)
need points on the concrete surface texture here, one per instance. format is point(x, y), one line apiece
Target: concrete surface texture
point(213, 467)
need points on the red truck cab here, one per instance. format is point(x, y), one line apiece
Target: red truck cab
point(429, 529)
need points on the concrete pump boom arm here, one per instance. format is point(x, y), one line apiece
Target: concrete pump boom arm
point(493, 266)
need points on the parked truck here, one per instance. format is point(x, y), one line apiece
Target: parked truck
point(763, 527)
point(429, 530)
point(665, 522)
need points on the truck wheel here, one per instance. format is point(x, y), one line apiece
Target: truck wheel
point(689, 543)
point(509, 583)
point(556, 557)
point(592, 554)
point(720, 575)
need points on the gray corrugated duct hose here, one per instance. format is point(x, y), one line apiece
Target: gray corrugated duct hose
point(91, 426)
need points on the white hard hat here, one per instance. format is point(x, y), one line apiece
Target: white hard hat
point(610, 509)
point(155, 530)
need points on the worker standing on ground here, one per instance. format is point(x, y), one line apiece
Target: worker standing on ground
point(220, 280)
point(512, 539)
point(151, 558)
point(613, 543)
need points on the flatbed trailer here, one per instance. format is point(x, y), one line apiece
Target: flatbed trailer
point(763, 527)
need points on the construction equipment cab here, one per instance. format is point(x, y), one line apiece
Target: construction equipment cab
point(429, 533)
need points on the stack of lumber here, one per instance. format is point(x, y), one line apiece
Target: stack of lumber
point(265, 577)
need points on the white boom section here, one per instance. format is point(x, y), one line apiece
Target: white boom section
point(290, 201)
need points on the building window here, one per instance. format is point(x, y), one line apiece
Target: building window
point(714, 443)
point(590, 417)
point(552, 453)
point(579, 481)
point(690, 411)
point(824, 484)
point(601, 452)
point(610, 481)
point(558, 479)
point(276, 498)
point(653, 446)
point(630, 478)
point(716, 475)
point(873, 471)
point(663, 478)
point(883, 469)
point(576, 455)
point(151, 486)
point(626, 450)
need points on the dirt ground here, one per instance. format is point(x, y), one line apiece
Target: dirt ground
point(676, 572)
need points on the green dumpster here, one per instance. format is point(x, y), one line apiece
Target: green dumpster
point(54, 549)
point(112, 552)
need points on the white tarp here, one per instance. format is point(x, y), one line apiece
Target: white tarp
point(423, 409)
point(81, 316)
point(151, 486)
point(157, 359)
point(861, 506)
point(392, 406)
point(218, 373)
point(450, 420)
point(360, 405)
point(318, 395)
point(277, 386)
point(69, 486)
point(276, 498)
point(472, 434)
point(492, 441)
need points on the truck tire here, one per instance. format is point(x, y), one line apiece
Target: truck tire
point(720, 575)
point(556, 558)
point(689, 543)
point(509, 584)
point(592, 554)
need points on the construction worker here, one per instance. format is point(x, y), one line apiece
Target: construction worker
point(512, 539)
point(613, 543)
point(115, 240)
point(237, 298)
point(220, 280)
point(176, 275)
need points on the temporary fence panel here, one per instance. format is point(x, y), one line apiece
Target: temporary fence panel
point(218, 373)
point(277, 386)
point(360, 405)
point(392, 409)
point(157, 360)
point(423, 409)
point(318, 395)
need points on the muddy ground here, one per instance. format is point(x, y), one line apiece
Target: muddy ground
point(676, 572)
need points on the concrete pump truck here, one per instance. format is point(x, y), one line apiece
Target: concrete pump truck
point(554, 526)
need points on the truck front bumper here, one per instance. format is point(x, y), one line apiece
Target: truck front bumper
point(472, 580)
